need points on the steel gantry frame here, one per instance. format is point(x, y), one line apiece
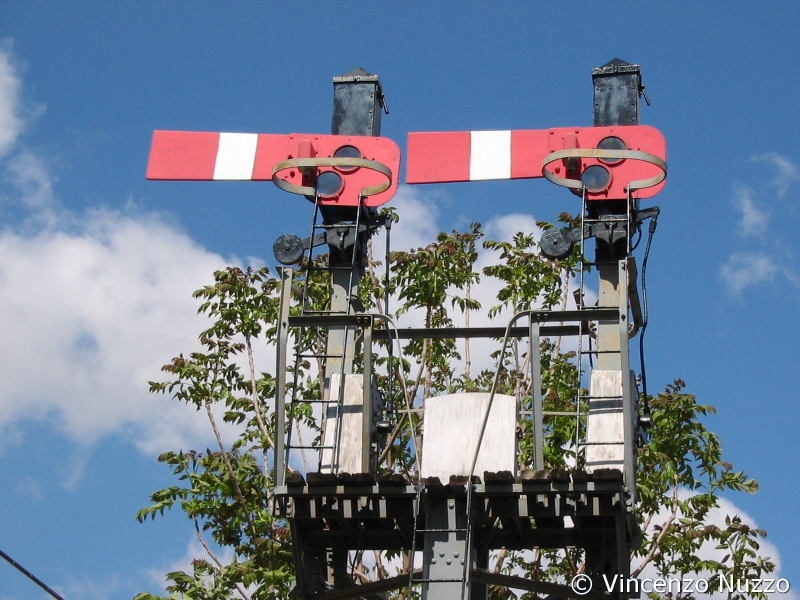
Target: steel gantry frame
point(352, 502)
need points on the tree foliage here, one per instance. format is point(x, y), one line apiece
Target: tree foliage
point(227, 492)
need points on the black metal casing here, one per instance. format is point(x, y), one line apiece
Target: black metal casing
point(357, 104)
point(617, 85)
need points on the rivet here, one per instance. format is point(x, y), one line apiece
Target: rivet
point(455, 554)
point(449, 562)
point(441, 554)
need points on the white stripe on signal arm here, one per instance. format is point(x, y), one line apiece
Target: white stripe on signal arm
point(490, 155)
point(236, 156)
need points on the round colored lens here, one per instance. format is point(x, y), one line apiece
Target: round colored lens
point(347, 152)
point(596, 178)
point(611, 143)
point(329, 184)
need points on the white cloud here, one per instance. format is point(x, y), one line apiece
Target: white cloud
point(90, 589)
point(745, 269)
point(90, 316)
point(11, 122)
point(504, 227)
point(31, 488)
point(754, 220)
point(417, 227)
point(708, 551)
point(768, 257)
point(194, 550)
point(786, 172)
point(92, 306)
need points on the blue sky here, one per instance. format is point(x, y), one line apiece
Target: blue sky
point(97, 265)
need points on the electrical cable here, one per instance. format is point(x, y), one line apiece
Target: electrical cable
point(639, 237)
point(31, 576)
point(651, 231)
point(408, 402)
point(387, 295)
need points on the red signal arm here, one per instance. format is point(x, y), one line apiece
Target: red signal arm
point(443, 157)
point(291, 161)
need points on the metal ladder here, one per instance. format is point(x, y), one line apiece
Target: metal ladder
point(451, 548)
point(585, 398)
point(331, 407)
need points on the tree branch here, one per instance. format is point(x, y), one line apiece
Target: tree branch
point(229, 467)
point(498, 566)
point(665, 528)
point(214, 557)
point(254, 399)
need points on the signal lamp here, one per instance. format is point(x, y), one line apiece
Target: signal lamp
point(329, 184)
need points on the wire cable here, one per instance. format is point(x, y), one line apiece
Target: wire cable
point(31, 576)
point(408, 401)
point(651, 230)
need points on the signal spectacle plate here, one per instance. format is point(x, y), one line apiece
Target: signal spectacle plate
point(596, 178)
point(347, 152)
point(329, 183)
point(611, 142)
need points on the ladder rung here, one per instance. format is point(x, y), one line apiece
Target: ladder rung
point(601, 443)
point(602, 397)
point(554, 413)
point(432, 580)
point(320, 355)
point(337, 226)
point(600, 351)
point(608, 220)
point(329, 268)
point(316, 401)
point(442, 530)
point(602, 262)
point(311, 447)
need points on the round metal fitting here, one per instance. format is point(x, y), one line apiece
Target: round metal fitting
point(288, 249)
point(556, 243)
point(336, 163)
point(639, 184)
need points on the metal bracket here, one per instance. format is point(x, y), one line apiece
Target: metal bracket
point(575, 184)
point(289, 248)
point(341, 163)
